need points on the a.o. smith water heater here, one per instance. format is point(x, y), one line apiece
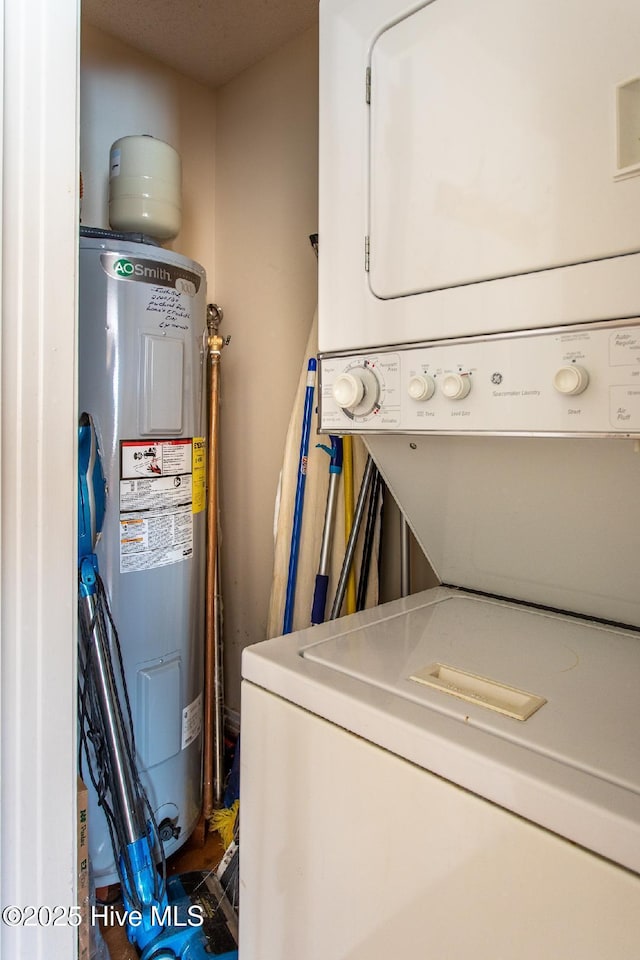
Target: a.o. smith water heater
point(142, 317)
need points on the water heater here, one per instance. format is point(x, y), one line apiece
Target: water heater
point(142, 317)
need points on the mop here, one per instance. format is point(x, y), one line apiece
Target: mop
point(226, 822)
point(322, 577)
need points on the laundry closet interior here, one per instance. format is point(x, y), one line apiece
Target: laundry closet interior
point(473, 175)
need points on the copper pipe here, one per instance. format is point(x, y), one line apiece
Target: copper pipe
point(213, 732)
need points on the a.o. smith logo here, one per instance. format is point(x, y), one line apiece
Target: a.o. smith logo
point(150, 271)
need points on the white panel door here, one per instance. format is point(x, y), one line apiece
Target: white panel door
point(38, 567)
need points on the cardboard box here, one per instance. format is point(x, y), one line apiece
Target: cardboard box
point(83, 871)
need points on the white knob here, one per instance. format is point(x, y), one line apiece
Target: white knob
point(357, 390)
point(456, 386)
point(348, 391)
point(421, 387)
point(571, 380)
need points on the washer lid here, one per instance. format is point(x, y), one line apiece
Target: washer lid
point(572, 767)
point(477, 660)
point(489, 128)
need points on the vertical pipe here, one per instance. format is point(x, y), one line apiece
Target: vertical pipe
point(218, 692)
point(213, 710)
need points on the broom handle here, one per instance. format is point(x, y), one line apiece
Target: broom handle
point(347, 563)
point(299, 501)
point(347, 443)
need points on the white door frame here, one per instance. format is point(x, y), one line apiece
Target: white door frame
point(38, 427)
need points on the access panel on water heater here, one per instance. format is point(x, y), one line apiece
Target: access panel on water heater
point(580, 380)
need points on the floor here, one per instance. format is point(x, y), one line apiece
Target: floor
point(198, 853)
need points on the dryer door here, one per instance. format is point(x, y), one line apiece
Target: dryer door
point(489, 181)
point(493, 149)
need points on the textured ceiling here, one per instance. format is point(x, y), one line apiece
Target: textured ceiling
point(208, 40)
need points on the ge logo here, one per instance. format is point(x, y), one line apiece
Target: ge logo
point(496, 378)
point(177, 481)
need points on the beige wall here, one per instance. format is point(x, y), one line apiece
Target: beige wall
point(125, 92)
point(266, 207)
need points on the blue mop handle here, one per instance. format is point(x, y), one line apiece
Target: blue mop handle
point(299, 502)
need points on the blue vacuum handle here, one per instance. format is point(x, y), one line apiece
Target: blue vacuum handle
point(91, 488)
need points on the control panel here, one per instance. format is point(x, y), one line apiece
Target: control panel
point(565, 381)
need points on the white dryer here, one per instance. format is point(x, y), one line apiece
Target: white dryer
point(478, 167)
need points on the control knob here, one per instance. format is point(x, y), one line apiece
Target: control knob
point(421, 387)
point(571, 380)
point(456, 386)
point(357, 390)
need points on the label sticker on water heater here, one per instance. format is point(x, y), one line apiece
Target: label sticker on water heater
point(156, 503)
point(199, 474)
point(191, 721)
point(155, 458)
point(157, 539)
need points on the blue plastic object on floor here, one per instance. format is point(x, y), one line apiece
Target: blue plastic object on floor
point(199, 924)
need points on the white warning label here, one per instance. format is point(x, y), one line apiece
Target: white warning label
point(191, 721)
point(163, 492)
point(151, 539)
point(158, 458)
point(156, 515)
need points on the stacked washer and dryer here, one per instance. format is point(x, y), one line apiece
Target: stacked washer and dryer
point(456, 773)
